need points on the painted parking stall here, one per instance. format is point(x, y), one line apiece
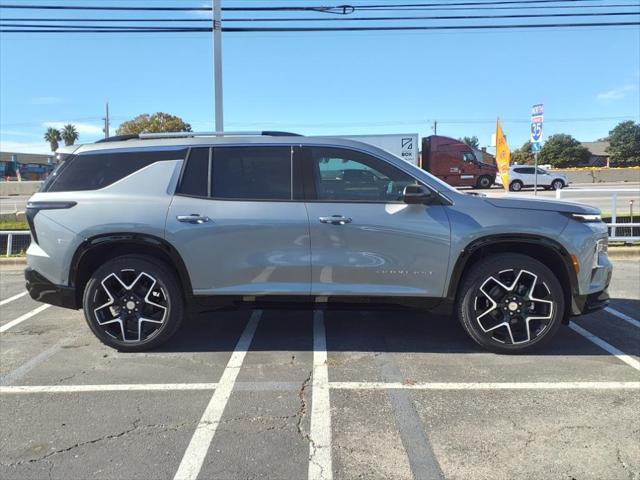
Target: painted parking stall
point(318, 394)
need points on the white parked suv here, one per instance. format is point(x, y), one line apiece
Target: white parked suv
point(521, 176)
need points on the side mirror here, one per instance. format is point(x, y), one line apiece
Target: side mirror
point(417, 195)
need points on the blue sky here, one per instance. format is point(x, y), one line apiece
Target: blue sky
point(320, 83)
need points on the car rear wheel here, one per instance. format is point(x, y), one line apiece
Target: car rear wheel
point(515, 186)
point(557, 185)
point(510, 303)
point(484, 182)
point(133, 303)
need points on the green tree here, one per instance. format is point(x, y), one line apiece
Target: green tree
point(52, 135)
point(69, 134)
point(158, 122)
point(624, 144)
point(562, 150)
point(473, 142)
point(523, 155)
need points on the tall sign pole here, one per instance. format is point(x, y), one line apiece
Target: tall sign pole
point(217, 64)
point(537, 118)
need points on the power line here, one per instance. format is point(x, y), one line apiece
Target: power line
point(312, 29)
point(343, 8)
point(329, 19)
point(489, 8)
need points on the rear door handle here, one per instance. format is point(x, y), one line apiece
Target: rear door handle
point(194, 218)
point(335, 220)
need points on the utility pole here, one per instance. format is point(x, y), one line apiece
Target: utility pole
point(217, 64)
point(106, 121)
point(435, 127)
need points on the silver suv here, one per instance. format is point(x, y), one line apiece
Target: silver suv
point(139, 231)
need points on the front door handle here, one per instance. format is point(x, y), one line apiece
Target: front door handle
point(194, 218)
point(335, 220)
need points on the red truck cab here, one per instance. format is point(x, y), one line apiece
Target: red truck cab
point(456, 163)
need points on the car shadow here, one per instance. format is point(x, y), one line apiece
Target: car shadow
point(368, 331)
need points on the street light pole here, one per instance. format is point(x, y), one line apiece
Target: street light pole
point(217, 64)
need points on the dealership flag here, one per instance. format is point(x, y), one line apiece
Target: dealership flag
point(503, 155)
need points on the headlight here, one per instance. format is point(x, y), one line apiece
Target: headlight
point(602, 246)
point(585, 217)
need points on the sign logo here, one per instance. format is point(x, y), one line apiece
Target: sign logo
point(537, 119)
point(407, 143)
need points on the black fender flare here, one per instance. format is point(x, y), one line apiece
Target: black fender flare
point(519, 239)
point(138, 239)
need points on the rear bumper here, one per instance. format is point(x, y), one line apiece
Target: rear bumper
point(44, 291)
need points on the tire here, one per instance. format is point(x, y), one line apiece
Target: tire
point(126, 289)
point(484, 182)
point(494, 294)
point(515, 186)
point(557, 184)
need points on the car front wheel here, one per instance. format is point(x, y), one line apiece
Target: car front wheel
point(133, 303)
point(557, 185)
point(510, 303)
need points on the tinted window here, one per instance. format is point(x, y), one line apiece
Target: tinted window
point(251, 173)
point(196, 174)
point(92, 171)
point(519, 170)
point(346, 175)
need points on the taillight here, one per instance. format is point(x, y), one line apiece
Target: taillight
point(34, 207)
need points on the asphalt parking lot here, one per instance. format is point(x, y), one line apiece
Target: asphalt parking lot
point(298, 394)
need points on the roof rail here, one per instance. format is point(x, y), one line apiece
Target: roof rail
point(117, 138)
point(144, 136)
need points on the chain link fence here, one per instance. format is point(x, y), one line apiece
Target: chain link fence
point(14, 242)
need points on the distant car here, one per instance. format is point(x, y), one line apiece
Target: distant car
point(521, 177)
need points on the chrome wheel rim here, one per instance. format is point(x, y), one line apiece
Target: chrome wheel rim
point(133, 306)
point(513, 307)
point(516, 187)
point(557, 185)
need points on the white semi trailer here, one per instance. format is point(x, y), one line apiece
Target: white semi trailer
point(405, 146)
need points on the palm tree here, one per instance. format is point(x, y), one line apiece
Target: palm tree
point(53, 136)
point(69, 134)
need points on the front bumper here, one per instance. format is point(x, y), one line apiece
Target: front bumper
point(45, 291)
point(583, 304)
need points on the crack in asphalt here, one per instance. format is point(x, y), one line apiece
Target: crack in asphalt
point(135, 426)
point(301, 414)
point(625, 467)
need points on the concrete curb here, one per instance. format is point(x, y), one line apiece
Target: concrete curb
point(624, 253)
point(11, 262)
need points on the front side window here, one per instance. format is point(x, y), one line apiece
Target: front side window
point(350, 176)
point(99, 169)
point(251, 173)
point(468, 157)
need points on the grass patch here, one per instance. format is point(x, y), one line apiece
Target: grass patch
point(14, 225)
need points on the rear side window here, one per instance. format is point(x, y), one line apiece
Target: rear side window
point(96, 170)
point(195, 178)
point(251, 173)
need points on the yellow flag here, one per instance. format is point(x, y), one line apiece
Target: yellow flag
point(503, 155)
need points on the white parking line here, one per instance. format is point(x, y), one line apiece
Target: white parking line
point(24, 317)
point(488, 386)
point(320, 467)
point(197, 450)
point(11, 299)
point(26, 367)
point(623, 316)
point(145, 387)
point(632, 362)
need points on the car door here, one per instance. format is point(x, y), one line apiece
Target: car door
point(364, 239)
point(239, 221)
